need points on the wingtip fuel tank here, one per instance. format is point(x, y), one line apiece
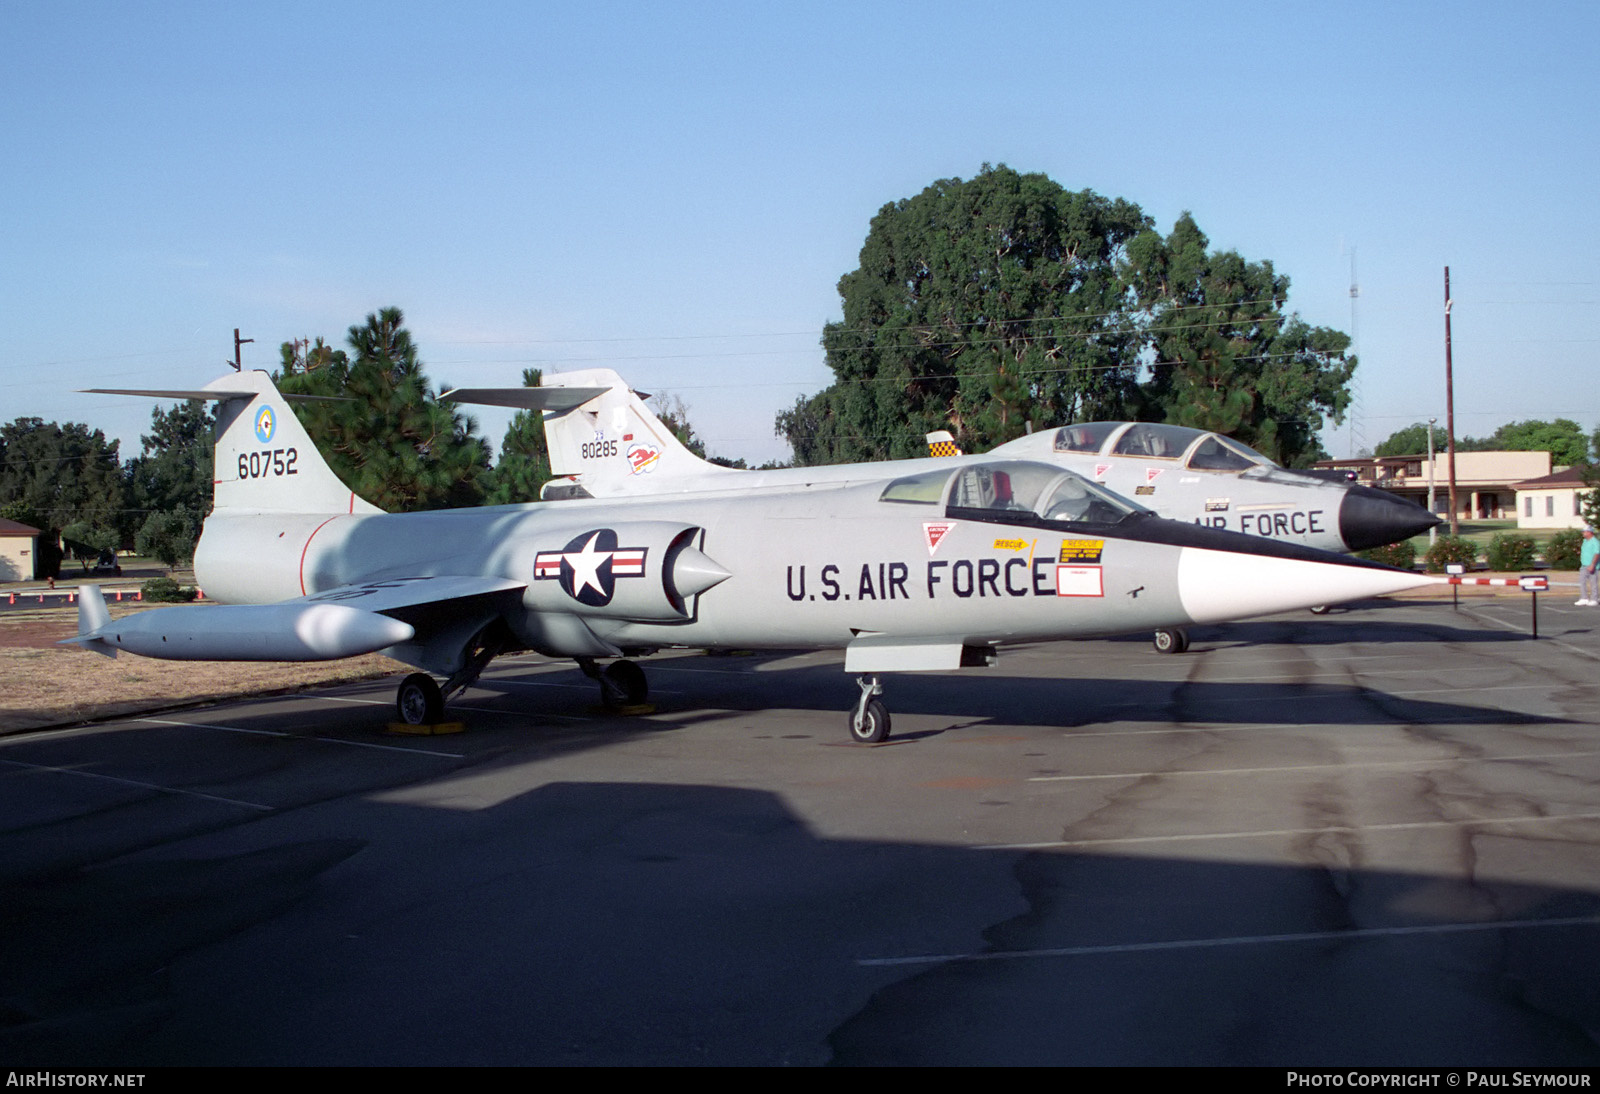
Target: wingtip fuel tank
point(238, 632)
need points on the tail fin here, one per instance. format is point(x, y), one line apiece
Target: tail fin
point(264, 461)
point(942, 443)
point(92, 615)
point(599, 431)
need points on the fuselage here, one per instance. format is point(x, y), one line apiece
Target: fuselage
point(817, 565)
point(1207, 480)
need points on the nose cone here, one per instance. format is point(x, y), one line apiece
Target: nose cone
point(1372, 518)
point(1220, 585)
point(694, 572)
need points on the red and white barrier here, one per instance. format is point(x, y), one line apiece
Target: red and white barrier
point(1538, 584)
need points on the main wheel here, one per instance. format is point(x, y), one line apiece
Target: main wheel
point(418, 701)
point(623, 684)
point(1320, 609)
point(1171, 640)
point(870, 726)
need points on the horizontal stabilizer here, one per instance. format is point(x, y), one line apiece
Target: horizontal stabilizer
point(159, 393)
point(556, 399)
point(208, 395)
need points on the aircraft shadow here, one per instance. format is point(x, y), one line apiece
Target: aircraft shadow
point(763, 682)
point(644, 923)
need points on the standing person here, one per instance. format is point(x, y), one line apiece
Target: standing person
point(1588, 579)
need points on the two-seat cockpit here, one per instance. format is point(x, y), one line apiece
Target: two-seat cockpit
point(1195, 449)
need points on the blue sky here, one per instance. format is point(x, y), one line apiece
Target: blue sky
point(673, 191)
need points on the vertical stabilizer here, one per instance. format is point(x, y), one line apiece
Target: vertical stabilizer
point(613, 444)
point(265, 460)
point(92, 615)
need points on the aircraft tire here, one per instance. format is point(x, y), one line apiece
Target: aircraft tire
point(418, 701)
point(1171, 640)
point(1320, 609)
point(623, 684)
point(871, 725)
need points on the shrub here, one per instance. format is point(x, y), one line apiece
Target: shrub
point(1563, 549)
point(1402, 554)
point(165, 590)
point(1509, 551)
point(1451, 549)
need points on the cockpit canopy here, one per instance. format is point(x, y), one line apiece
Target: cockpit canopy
point(1200, 451)
point(1012, 490)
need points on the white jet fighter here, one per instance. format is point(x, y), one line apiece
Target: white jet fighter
point(611, 445)
point(928, 570)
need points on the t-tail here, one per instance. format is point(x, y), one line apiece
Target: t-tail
point(604, 441)
point(264, 461)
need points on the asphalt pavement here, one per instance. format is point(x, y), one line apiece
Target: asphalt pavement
point(1368, 837)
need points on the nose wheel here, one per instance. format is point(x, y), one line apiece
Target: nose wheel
point(869, 721)
point(1171, 640)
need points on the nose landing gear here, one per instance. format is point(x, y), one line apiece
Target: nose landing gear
point(1172, 640)
point(869, 721)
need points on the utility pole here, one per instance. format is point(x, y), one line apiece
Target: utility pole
point(238, 366)
point(1450, 408)
point(1433, 506)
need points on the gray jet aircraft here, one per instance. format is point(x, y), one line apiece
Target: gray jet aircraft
point(607, 444)
point(931, 567)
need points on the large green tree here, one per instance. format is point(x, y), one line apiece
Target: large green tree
point(1563, 439)
point(977, 306)
point(1225, 354)
point(66, 477)
point(989, 305)
point(1411, 441)
point(378, 422)
point(169, 483)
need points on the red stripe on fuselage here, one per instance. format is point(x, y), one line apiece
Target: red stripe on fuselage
point(307, 547)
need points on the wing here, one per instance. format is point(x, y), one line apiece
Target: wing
point(447, 612)
point(431, 622)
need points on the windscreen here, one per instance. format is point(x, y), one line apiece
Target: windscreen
point(1217, 453)
point(926, 488)
point(1088, 437)
point(1020, 491)
point(1162, 442)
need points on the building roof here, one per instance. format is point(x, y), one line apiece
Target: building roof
point(15, 528)
point(1571, 476)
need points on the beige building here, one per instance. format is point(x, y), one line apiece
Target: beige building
point(19, 551)
point(1552, 501)
point(1486, 482)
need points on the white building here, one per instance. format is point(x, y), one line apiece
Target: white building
point(1552, 501)
point(1486, 482)
point(19, 551)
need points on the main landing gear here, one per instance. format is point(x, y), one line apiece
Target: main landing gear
point(869, 721)
point(420, 701)
point(622, 683)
